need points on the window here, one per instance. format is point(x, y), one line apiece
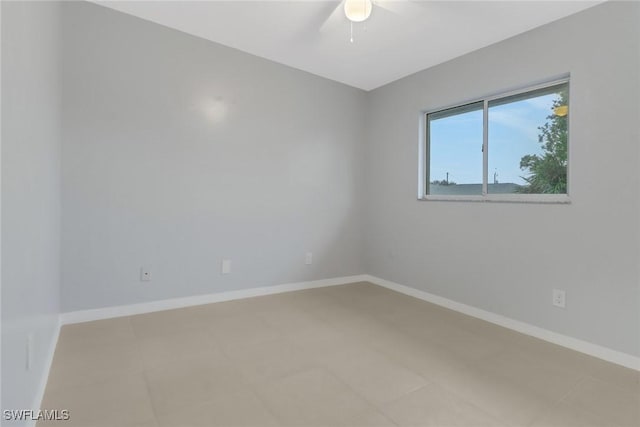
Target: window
point(510, 147)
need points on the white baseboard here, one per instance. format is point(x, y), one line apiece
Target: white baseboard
point(591, 349)
point(37, 401)
point(604, 353)
point(168, 304)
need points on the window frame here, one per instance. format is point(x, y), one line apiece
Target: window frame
point(424, 151)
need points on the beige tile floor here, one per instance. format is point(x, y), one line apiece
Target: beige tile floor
point(351, 355)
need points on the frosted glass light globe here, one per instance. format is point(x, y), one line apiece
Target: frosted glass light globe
point(357, 10)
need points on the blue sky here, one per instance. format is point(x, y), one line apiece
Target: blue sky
point(456, 142)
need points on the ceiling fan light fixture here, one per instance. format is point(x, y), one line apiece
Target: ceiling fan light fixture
point(357, 10)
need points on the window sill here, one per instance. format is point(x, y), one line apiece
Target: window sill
point(557, 199)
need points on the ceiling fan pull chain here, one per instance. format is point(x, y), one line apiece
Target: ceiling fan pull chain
point(351, 40)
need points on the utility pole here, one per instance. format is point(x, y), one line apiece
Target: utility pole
point(447, 178)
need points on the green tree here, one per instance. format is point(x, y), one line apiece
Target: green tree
point(547, 172)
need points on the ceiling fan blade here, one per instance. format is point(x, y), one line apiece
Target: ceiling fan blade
point(399, 7)
point(335, 18)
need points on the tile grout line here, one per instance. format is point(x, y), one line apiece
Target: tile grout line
point(149, 395)
point(558, 402)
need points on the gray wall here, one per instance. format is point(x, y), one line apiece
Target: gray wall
point(154, 175)
point(178, 152)
point(507, 258)
point(30, 195)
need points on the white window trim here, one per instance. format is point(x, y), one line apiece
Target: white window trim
point(423, 167)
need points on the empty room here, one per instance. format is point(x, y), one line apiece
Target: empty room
point(320, 213)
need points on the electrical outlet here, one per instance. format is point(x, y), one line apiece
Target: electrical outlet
point(145, 274)
point(559, 298)
point(308, 258)
point(226, 266)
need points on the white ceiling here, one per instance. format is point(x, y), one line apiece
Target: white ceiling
point(400, 38)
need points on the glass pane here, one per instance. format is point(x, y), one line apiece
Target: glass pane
point(455, 151)
point(528, 142)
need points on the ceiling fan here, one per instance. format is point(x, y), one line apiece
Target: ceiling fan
point(357, 11)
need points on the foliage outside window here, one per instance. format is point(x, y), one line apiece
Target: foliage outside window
point(507, 147)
